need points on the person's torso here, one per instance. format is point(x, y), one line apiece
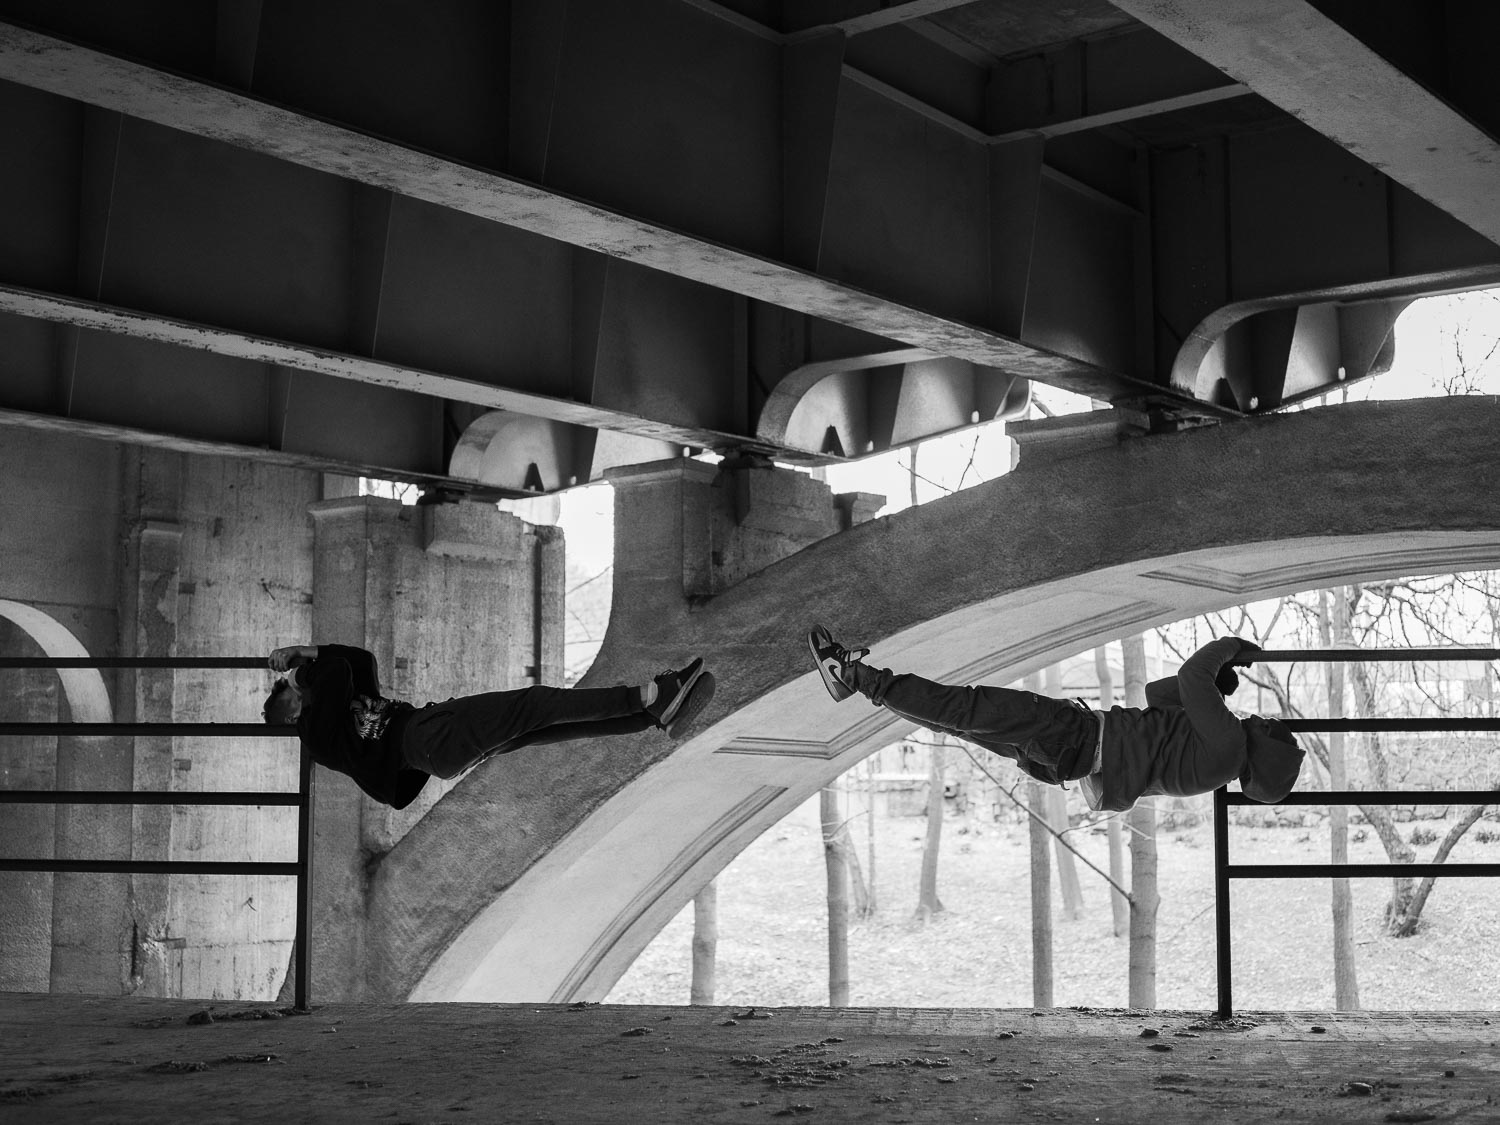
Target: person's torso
point(371, 717)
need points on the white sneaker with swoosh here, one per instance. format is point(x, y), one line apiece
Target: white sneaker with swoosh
point(833, 661)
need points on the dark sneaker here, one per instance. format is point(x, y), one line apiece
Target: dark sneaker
point(700, 694)
point(833, 661)
point(672, 690)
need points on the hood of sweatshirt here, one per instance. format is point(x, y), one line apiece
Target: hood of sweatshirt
point(1272, 760)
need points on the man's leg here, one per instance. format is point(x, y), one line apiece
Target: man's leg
point(447, 738)
point(987, 714)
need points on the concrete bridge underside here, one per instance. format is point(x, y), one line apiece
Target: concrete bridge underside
point(542, 875)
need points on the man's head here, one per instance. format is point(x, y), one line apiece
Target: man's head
point(283, 705)
point(1273, 759)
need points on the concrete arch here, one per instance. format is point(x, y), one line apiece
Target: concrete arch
point(26, 922)
point(542, 876)
point(88, 699)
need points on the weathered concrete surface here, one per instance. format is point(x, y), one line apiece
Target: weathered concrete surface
point(112, 550)
point(551, 869)
point(448, 599)
point(71, 1059)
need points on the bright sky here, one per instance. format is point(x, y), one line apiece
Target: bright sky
point(1438, 340)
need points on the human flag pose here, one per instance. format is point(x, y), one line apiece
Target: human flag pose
point(390, 748)
point(1184, 741)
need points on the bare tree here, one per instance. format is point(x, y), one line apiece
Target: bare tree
point(1041, 882)
point(928, 902)
point(838, 901)
point(705, 945)
point(1057, 817)
point(1145, 897)
point(842, 845)
point(1333, 628)
point(1119, 904)
point(870, 900)
point(1041, 897)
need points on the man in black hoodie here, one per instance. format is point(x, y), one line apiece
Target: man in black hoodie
point(390, 748)
point(1184, 741)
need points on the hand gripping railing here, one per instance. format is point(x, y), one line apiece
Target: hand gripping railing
point(1224, 871)
point(301, 797)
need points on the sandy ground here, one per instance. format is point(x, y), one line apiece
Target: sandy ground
point(77, 1059)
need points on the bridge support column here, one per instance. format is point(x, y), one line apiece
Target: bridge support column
point(688, 529)
point(452, 600)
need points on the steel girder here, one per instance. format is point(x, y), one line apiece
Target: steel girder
point(512, 245)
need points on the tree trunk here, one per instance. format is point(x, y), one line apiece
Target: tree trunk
point(705, 945)
point(928, 902)
point(1144, 896)
point(1057, 818)
point(1333, 630)
point(1119, 905)
point(838, 902)
point(1398, 918)
point(1408, 923)
point(1067, 868)
point(843, 846)
point(1041, 898)
point(871, 903)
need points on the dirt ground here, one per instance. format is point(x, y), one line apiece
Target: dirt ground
point(77, 1059)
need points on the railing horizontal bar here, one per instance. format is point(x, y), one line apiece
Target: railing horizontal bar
point(1339, 655)
point(1378, 797)
point(137, 797)
point(1359, 870)
point(163, 730)
point(1391, 724)
point(134, 662)
point(149, 867)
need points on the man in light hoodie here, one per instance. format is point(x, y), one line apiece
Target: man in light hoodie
point(1183, 742)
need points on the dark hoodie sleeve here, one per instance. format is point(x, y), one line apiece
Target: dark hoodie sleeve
point(1212, 721)
point(1163, 693)
point(363, 671)
point(329, 683)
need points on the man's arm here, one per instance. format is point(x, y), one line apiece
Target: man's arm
point(1201, 697)
point(292, 657)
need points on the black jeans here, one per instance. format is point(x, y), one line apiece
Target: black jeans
point(1053, 739)
point(444, 739)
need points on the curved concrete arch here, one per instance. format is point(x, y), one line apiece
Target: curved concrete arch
point(88, 699)
point(542, 876)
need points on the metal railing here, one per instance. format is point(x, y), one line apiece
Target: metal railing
point(1224, 871)
point(301, 798)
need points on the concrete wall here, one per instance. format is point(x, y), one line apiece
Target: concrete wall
point(138, 551)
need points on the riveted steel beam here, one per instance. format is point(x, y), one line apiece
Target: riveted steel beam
point(916, 297)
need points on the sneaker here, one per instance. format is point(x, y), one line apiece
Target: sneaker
point(700, 694)
point(833, 661)
point(672, 690)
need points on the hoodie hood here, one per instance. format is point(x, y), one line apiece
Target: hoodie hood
point(1272, 760)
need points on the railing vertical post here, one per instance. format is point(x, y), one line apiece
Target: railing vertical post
point(301, 947)
point(1221, 901)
